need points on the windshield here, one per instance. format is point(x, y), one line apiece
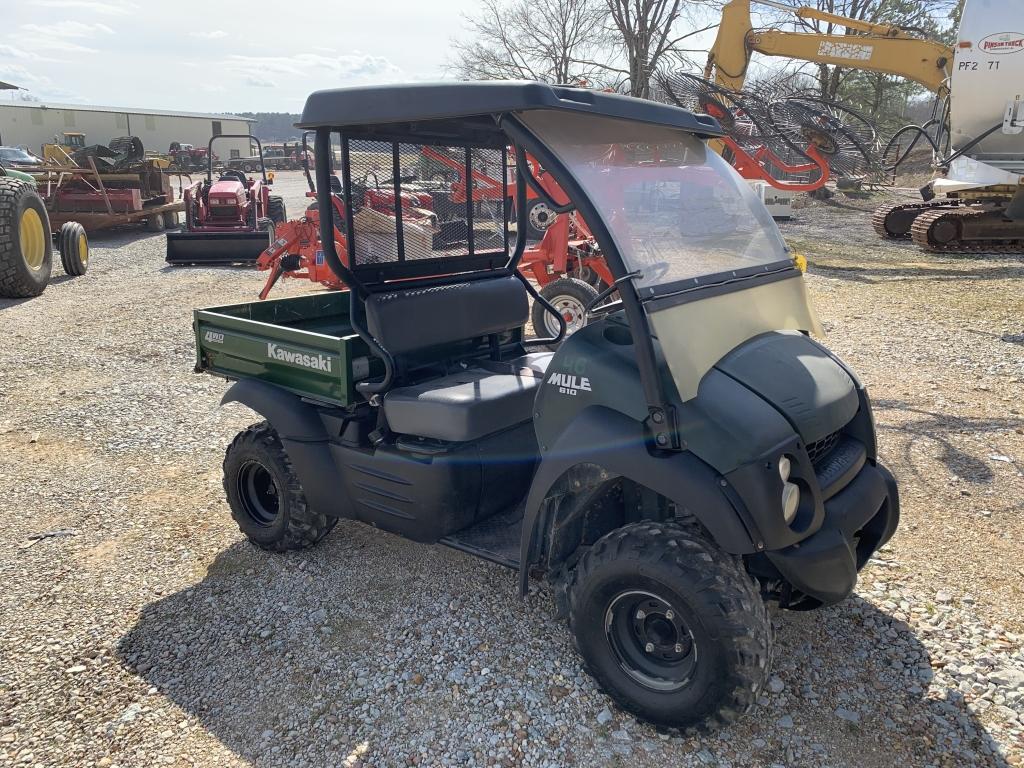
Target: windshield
point(16, 155)
point(675, 209)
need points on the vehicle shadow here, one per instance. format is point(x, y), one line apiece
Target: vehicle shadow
point(941, 429)
point(882, 659)
point(303, 654)
point(115, 237)
point(221, 267)
point(8, 303)
point(55, 280)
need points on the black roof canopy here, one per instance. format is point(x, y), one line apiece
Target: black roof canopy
point(467, 108)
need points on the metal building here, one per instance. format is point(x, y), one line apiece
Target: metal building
point(32, 124)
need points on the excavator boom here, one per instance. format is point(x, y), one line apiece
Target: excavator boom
point(976, 202)
point(814, 14)
point(922, 61)
point(880, 48)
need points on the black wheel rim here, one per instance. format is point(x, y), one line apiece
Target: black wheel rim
point(650, 640)
point(258, 493)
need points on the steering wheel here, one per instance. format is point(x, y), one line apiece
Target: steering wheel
point(233, 174)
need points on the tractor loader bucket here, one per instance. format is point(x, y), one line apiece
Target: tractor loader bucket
point(220, 248)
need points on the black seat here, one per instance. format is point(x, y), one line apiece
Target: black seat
point(470, 404)
point(487, 396)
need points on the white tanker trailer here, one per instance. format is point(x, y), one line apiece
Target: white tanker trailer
point(976, 200)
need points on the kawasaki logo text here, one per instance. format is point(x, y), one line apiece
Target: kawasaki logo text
point(316, 362)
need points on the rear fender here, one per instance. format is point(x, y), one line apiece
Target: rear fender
point(615, 444)
point(302, 433)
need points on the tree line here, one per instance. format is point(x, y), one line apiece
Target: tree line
point(623, 44)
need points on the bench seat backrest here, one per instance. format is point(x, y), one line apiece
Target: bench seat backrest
point(408, 320)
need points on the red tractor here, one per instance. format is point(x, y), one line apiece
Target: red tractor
point(187, 157)
point(229, 220)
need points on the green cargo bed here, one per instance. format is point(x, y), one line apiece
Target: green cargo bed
point(303, 344)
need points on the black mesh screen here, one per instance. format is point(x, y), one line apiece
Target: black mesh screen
point(453, 205)
point(373, 203)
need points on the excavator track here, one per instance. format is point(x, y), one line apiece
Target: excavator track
point(941, 231)
point(895, 221)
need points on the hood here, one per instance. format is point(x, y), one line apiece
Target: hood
point(232, 187)
point(799, 378)
point(14, 174)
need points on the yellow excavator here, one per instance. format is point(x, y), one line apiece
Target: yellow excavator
point(874, 47)
point(976, 200)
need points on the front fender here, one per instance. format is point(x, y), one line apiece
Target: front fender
point(616, 443)
point(303, 436)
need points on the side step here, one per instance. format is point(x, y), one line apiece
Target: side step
point(201, 248)
point(496, 538)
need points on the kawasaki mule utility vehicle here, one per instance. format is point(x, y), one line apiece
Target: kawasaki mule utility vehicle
point(684, 457)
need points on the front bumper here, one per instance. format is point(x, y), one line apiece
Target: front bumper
point(858, 520)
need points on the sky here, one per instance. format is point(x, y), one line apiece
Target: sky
point(219, 55)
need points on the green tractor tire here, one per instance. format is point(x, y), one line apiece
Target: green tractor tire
point(26, 248)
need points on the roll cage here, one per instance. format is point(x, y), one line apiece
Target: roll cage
point(476, 117)
point(218, 137)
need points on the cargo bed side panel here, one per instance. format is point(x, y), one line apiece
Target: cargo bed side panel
point(274, 343)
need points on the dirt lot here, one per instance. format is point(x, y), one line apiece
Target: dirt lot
point(147, 632)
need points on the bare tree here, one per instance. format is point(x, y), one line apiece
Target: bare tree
point(647, 36)
point(610, 43)
point(550, 40)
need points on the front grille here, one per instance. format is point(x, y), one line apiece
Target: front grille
point(820, 449)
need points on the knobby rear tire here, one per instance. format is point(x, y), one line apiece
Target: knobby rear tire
point(276, 210)
point(291, 524)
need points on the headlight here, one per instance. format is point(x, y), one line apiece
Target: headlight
point(790, 501)
point(784, 468)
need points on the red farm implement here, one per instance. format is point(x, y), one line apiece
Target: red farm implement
point(790, 141)
point(563, 260)
point(108, 186)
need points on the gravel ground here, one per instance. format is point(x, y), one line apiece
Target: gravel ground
point(152, 634)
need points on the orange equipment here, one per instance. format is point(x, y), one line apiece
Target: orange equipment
point(296, 250)
point(567, 245)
